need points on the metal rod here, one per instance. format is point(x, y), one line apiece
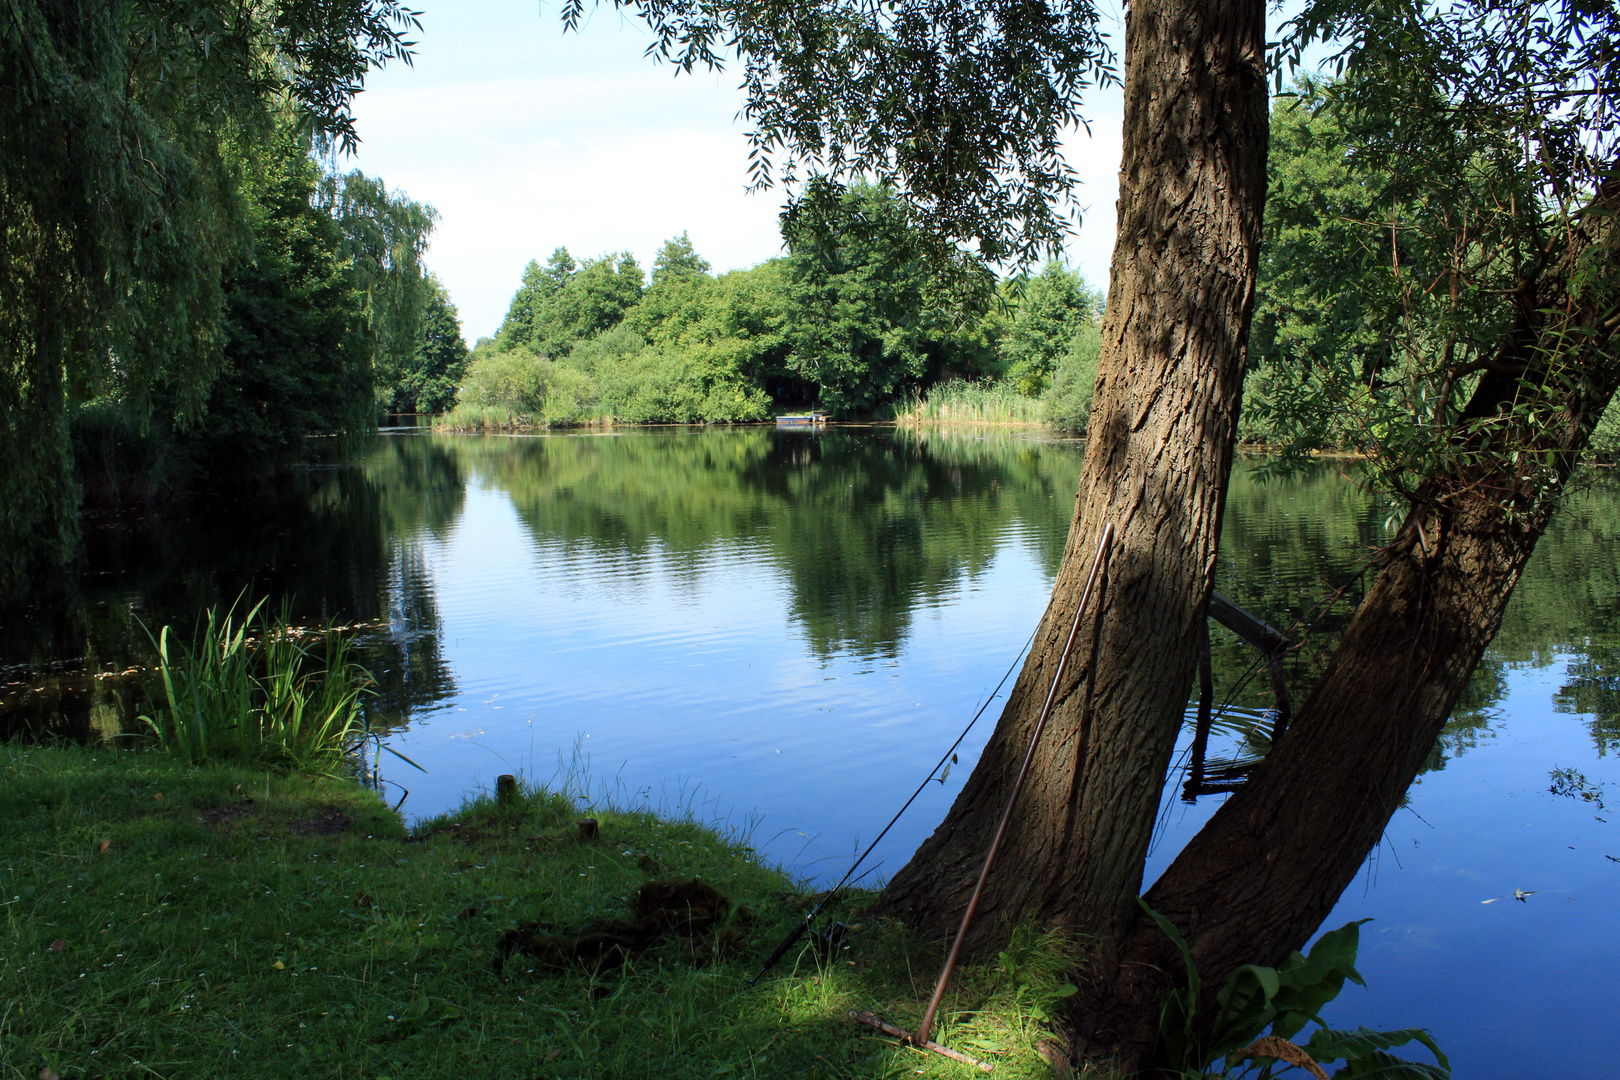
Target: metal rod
point(1206, 698)
point(921, 1036)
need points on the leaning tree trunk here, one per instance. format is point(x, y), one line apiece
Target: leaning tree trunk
point(1269, 866)
point(1192, 185)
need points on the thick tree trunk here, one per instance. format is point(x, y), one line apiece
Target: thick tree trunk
point(1191, 190)
point(1260, 877)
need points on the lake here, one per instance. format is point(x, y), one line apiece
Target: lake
point(781, 631)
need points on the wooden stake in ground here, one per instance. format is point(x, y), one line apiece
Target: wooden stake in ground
point(874, 1021)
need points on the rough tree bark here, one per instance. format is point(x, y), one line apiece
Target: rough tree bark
point(1259, 878)
point(1192, 185)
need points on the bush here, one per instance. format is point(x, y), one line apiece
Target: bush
point(735, 403)
point(1066, 404)
point(515, 381)
point(623, 342)
point(519, 389)
point(614, 377)
point(571, 397)
point(655, 387)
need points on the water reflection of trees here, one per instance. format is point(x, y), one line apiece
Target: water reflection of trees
point(340, 544)
point(420, 494)
point(864, 526)
point(873, 528)
point(1593, 688)
point(406, 651)
point(1568, 604)
point(1290, 543)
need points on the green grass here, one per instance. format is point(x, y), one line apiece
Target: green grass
point(961, 402)
point(165, 920)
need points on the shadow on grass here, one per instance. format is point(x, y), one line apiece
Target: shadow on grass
point(181, 922)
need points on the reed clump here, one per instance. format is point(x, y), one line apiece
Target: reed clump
point(959, 401)
point(259, 691)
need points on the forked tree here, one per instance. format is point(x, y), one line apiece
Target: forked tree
point(1474, 107)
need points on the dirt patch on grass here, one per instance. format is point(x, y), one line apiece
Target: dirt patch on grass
point(692, 914)
point(329, 822)
point(222, 816)
point(326, 821)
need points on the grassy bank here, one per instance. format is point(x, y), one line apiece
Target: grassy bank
point(165, 920)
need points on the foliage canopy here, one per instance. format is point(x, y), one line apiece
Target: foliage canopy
point(960, 108)
point(1432, 210)
point(119, 208)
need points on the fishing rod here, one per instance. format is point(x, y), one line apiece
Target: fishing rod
point(804, 924)
point(920, 1037)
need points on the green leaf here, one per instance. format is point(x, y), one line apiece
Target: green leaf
point(1308, 983)
point(1180, 1006)
point(1339, 947)
point(1194, 985)
point(401, 757)
point(1245, 1007)
point(1386, 1066)
point(1363, 1044)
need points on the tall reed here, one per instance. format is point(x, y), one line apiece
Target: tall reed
point(269, 699)
point(959, 401)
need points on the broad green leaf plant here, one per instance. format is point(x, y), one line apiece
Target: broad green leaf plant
point(1260, 1012)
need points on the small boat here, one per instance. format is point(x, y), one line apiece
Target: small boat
point(809, 419)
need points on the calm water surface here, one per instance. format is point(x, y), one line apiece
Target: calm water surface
point(781, 631)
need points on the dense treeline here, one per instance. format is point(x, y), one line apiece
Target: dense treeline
point(852, 321)
point(324, 304)
point(187, 292)
point(856, 321)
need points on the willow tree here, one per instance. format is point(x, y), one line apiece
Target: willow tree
point(118, 205)
point(324, 310)
point(1498, 120)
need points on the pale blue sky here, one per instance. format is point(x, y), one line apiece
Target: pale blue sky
point(525, 139)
